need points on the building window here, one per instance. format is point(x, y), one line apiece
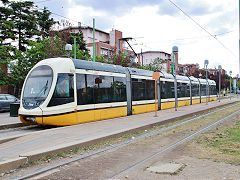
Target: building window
point(104, 52)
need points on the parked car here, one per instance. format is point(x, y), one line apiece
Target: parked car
point(6, 100)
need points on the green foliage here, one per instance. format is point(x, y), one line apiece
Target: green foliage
point(5, 58)
point(157, 64)
point(102, 59)
point(6, 25)
point(121, 59)
point(37, 51)
point(44, 22)
point(79, 41)
point(24, 18)
point(80, 53)
point(54, 47)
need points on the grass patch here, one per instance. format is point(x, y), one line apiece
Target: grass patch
point(221, 145)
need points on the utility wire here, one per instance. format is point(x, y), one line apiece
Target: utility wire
point(189, 38)
point(202, 27)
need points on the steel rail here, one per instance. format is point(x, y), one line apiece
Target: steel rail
point(174, 145)
point(115, 146)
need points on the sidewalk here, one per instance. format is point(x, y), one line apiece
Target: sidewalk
point(6, 121)
point(33, 146)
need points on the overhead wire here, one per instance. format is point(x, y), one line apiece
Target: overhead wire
point(189, 38)
point(202, 27)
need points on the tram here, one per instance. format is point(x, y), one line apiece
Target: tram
point(64, 91)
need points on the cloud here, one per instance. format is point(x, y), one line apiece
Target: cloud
point(116, 7)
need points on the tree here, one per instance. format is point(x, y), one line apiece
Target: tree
point(157, 64)
point(121, 59)
point(5, 58)
point(24, 18)
point(15, 61)
point(6, 24)
point(44, 22)
point(79, 41)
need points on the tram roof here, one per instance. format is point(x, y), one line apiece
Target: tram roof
point(167, 76)
point(140, 72)
point(182, 78)
point(193, 79)
point(211, 82)
point(90, 65)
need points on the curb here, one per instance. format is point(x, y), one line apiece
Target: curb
point(12, 164)
point(7, 126)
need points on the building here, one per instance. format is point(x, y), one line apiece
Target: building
point(215, 71)
point(188, 69)
point(5, 89)
point(106, 44)
point(147, 57)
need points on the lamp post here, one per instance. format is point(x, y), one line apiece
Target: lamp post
point(230, 72)
point(220, 70)
point(205, 65)
point(68, 49)
point(237, 84)
point(175, 52)
point(200, 76)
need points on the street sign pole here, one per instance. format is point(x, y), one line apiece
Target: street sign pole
point(156, 77)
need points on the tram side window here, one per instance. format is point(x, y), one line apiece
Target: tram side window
point(119, 89)
point(183, 90)
point(64, 90)
point(195, 90)
point(212, 90)
point(203, 90)
point(102, 89)
point(142, 89)
point(82, 97)
point(167, 90)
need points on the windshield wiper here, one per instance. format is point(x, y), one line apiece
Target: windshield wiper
point(44, 88)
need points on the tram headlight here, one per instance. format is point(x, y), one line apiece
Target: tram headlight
point(30, 119)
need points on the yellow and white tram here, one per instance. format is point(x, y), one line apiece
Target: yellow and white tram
point(64, 91)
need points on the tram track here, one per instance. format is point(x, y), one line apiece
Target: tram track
point(141, 137)
point(173, 146)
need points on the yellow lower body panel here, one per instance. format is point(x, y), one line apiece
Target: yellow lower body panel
point(84, 116)
point(183, 103)
point(61, 120)
point(167, 105)
point(107, 113)
point(100, 114)
point(195, 101)
point(138, 109)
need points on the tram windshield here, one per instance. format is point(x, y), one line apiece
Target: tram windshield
point(37, 86)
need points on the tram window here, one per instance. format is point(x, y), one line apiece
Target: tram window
point(195, 90)
point(64, 90)
point(81, 89)
point(90, 89)
point(119, 89)
point(102, 93)
point(212, 90)
point(105, 89)
point(143, 89)
point(183, 90)
point(167, 89)
point(203, 90)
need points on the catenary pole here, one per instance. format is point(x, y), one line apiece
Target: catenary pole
point(94, 40)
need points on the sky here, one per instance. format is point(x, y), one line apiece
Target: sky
point(158, 25)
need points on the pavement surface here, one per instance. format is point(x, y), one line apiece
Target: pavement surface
point(5, 119)
point(33, 146)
